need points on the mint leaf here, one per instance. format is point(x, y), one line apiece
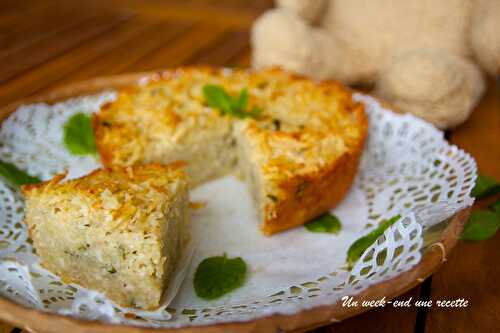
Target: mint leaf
point(485, 186)
point(216, 276)
point(357, 248)
point(482, 225)
point(14, 176)
point(326, 223)
point(495, 207)
point(243, 100)
point(216, 97)
point(79, 135)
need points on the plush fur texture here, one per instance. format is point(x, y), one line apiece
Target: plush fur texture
point(425, 57)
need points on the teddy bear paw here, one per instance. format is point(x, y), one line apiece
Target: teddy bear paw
point(439, 87)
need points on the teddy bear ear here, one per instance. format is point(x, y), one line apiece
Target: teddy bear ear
point(484, 35)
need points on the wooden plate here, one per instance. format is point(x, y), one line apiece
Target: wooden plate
point(45, 322)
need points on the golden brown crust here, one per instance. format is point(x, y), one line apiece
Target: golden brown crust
point(323, 191)
point(114, 186)
point(28, 188)
point(137, 172)
point(97, 124)
point(125, 139)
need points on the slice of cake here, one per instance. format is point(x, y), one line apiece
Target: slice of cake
point(300, 158)
point(294, 177)
point(120, 231)
point(299, 153)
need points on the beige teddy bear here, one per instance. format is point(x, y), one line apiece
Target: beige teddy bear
point(424, 56)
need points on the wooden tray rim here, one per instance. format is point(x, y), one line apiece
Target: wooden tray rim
point(40, 321)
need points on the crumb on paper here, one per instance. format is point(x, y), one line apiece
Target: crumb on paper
point(197, 204)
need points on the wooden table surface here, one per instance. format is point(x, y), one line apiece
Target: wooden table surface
point(46, 44)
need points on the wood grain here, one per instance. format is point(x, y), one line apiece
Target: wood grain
point(224, 51)
point(12, 10)
point(470, 272)
point(103, 55)
point(120, 58)
point(16, 34)
point(230, 16)
point(55, 44)
point(5, 328)
point(181, 49)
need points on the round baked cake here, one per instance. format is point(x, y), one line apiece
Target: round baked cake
point(296, 142)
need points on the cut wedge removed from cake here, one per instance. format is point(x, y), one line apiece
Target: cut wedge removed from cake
point(120, 231)
point(295, 141)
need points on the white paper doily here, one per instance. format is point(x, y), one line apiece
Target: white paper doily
point(407, 168)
